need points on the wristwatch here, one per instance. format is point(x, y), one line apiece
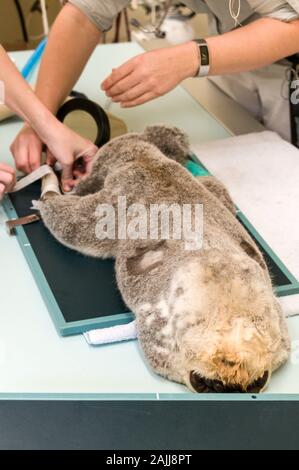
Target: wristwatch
point(204, 57)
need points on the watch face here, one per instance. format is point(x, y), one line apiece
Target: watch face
point(204, 56)
point(203, 50)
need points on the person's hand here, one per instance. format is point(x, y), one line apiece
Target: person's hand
point(151, 75)
point(7, 179)
point(64, 146)
point(27, 150)
point(73, 152)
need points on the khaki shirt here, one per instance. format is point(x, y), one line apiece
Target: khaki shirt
point(102, 12)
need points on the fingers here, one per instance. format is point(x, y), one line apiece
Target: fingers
point(35, 154)
point(79, 165)
point(136, 82)
point(27, 150)
point(123, 86)
point(2, 191)
point(139, 101)
point(7, 168)
point(66, 147)
point(50, 159)
point(21, 156)
point(84, 161)
point(7, 179)
point(149, 76)
point(67, 177)
point(89, 152)
point(79, 168)
point(82, 168)
point(118, 74)
point(88, 165)
point(132, 94)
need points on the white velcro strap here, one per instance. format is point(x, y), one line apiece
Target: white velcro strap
point(50, 184)
point(32, 178)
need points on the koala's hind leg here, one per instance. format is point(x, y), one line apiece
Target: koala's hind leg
point(219, 190)
point(74, 220)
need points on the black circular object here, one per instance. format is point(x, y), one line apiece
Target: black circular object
point(95, 111)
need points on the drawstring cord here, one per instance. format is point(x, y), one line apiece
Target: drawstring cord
point(291, 74)
point(235, 13)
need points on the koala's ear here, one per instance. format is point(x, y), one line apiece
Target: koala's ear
point(171, 141)
point(146, 259)
point(253, 252)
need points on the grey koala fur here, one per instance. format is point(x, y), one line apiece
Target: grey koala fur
point(207, 318)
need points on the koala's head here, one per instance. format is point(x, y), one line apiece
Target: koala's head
point(171, 141)
point(235, 335)
point(218, 326)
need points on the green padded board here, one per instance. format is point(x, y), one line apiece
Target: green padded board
point(81, 293)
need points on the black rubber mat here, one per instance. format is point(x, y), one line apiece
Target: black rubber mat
point(84, 288)
point(278, 277)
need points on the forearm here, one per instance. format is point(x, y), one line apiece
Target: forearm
point(21, 99)
point(253, 46)
point(71, 42)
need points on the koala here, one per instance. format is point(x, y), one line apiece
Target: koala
point(206, 317)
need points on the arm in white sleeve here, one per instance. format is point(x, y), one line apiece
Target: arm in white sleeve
point(101, 12)
point(284, 10)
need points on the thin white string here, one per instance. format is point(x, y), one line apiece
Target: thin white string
point(290, 74)
point(45, 17)
point(235, 14)
point(154, 13)
point(108, 104)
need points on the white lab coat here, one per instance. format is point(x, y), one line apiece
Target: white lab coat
point(264, 93)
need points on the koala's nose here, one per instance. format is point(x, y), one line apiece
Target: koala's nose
point(259, 384)
point(203, 385)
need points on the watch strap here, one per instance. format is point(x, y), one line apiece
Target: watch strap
point(204, 58)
